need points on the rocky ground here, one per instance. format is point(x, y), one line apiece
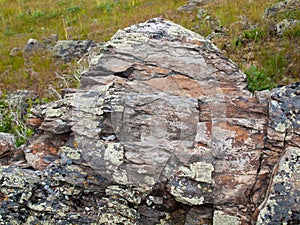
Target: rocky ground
point(161, 131)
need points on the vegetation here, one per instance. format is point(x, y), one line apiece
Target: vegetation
point(13, 119)
point(267, 59)
point(98, 20)
point(258, 80)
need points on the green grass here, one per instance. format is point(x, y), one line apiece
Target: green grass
point(276, 58)
point(13, 121)
point(69, 19)
point(258, 80)
point(98, 20)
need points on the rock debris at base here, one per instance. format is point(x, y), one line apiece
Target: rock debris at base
point(162, 131)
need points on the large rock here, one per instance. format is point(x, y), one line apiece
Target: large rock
point(282, 154)
point(162, 130)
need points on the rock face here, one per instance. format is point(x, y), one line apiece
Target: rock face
point(7, 147)
point(162, 131)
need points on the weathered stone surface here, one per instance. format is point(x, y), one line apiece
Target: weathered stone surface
point(161, 131)
point(192, 4)
point(282, 205)
point(7, 147)
point(32, 46)
point(20, 101)
point(70, 50)
point(286, 24)
point(280, 159)
point(282, 6)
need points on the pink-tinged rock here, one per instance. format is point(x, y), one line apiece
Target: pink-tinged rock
point(7, 147)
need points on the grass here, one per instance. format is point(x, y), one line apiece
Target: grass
point(98, 20)
point(276, 58)
point(69, 19)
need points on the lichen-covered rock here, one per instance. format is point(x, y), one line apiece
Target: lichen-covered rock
point(220, 219)
point(281, 156)
point(70, 50)
point(282, 205)
point(285, 25)
point(282, 6)
point(161, 131)
point(193, 185)
point(19, 101)
point(192, 4)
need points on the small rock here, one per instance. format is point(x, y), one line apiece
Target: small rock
point(21, 100)
point(286, 6)
point(15, 51)
point(191, 5)
point(7, 147)
point(201, 13)
point(284, 25)
point(34, 122)
point(32, 46)
point(220, 218)
point(70, 50)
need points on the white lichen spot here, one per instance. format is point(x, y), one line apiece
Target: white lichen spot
point(190, 200)
point(121, 177)
point(93, 61)
point(114, 154)
point(149, 180)
point(50, 113)
point(141, 170)
point(199, 171)
point(128, 194)
point(71, 153)
point(220, 218)
point(266, 212)
point(176, 30)
point(123, 39)
point(281, 127)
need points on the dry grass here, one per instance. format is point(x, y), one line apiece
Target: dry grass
point(98, 20)
point(277, 58)
point(69, 19)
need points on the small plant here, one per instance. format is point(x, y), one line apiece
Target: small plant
point(254, 34)
point(258, 80)
point(106, 6)
point(274, 65)
point(53, 14)
point(74, 9)
point(12, 121)
point(36, 14)
point(8, 31)
point(293, 32)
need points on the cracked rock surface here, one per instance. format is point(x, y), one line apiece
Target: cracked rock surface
point(162, 131)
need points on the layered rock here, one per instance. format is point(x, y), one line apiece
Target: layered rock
point(162, 130)
point(7, 147)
